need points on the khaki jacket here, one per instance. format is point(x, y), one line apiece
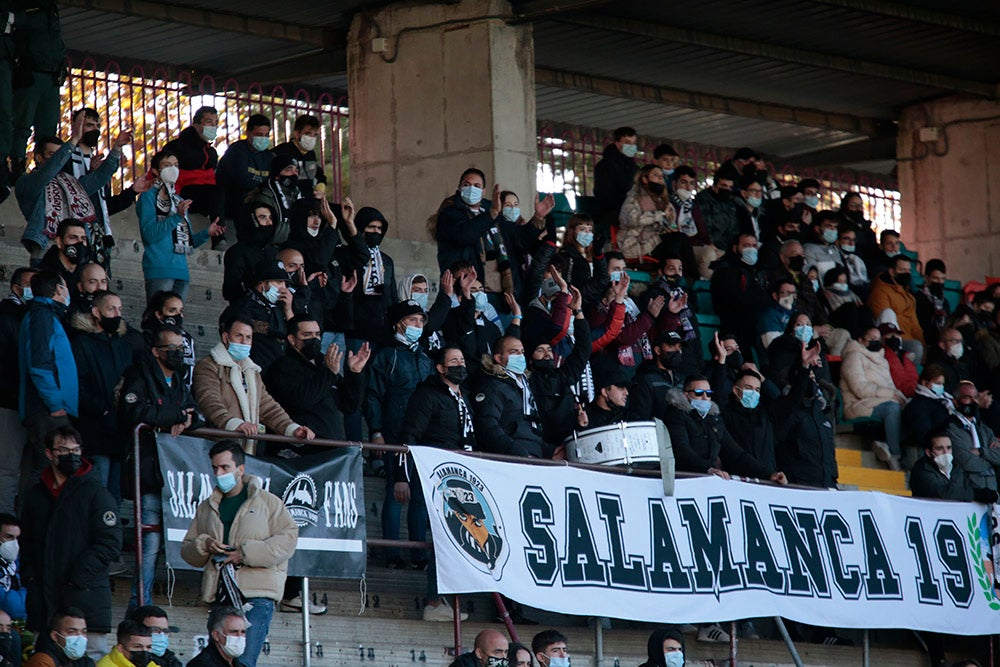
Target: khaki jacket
point(264, 532)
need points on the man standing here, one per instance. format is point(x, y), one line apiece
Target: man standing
point(12, 433)
point(71, 536)
point(614, 175)
point(66, 643)
point(248, 535)
point(302, 150)
point(227, 629)
point(197, 160)
point(245, 164)
point(41, 56)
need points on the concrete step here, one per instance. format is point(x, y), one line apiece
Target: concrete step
point(871, 479)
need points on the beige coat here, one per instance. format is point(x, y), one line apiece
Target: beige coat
point(263, 530)
point(219, 389)
point(641, 222)
point(865, 381)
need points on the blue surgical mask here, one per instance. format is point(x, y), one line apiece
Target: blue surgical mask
point(754, 202)
point(701, 406)
point(516, 363)
point(560, 661)
point(840, 287)
point(261, 143)
point(674, 659)
point(848, 248)
point(938, 389)
point(413, 334)
point(481, 300)
point(76, 646)
point(830, 235)
point(161, 642)
point(585, 239)
point(238, 351)
point(803, 332)
point(812, 201)
point(226, 482)
point(420, 298)
point(667, 173)
point(27, 294)
point(815, 284)
point(749, 399)
point(749, 256)
point(628, 150)
point(470, 194)
point(616, 276)
point(512, 213)
point(271, 294)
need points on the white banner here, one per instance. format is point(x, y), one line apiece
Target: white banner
point(597, 544)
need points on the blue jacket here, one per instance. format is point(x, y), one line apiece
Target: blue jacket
point(394, 373)
point(12, 601)
point(240, 170)
point(30, 190)
point(158, 258)
point(46, 363)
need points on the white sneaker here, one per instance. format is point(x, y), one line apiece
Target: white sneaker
point(881, 451)
point(295, 605)
point(442, 613)
point(713, 634)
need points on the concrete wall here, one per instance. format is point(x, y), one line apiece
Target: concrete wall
point(950, 192)
point(456, 96)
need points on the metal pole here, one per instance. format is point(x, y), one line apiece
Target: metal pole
point(788, 641)
point(732, 643)
point(598, 642)
point(137, 519)
point(505, 615)
point(306, 650)
point(458, 625)
point(866, 649)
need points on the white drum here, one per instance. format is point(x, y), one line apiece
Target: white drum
point(624, 443)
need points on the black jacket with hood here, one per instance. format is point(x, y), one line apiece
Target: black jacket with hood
point(614, 176)
point(654, 645)
point(804, 447)
point(253, 244)
point(370, 311)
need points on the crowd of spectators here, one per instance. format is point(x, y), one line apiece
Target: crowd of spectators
point(533, 332)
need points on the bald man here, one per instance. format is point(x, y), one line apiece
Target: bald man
point(93, 279)
point(489, 650)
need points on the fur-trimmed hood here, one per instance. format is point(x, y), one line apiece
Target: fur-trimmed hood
point(84, 323)
point(490, 367)
point(677, 399)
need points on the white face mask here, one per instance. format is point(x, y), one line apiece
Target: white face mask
point(956, 351)
point(683, 194)
point(312, 232)
point(169, 175)
point(9, 550)
point(307, 142)
point(944, 463)
point(234, 646)
point(209, 132)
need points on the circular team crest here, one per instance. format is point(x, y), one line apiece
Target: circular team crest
point(300, 500)
point(471, 518)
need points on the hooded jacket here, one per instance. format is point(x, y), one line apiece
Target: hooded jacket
point(196, 158)
point(614, 175)
point(654, 646)
point(264, 532)
point(70, 537)
point(310, 170)
point(393, 374)
point(254, 244)
point(461, 233)
point(231, 392)
point(45, 359)
point(370, 311)
point(270, 192)
point(865, 381)
point(498, 415)
point(804, 448)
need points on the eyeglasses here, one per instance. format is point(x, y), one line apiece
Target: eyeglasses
point(62, 451)
point(707, 393)
point(157, 631)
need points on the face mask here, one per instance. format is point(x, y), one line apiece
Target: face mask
point(797, 263)
point(261, 143)
point(674, 659)
point(804, 332)
point(234, 646)
point(27, 294)
point(169, 175)
point(516, 363)
point(749, 256)
point(956, 351)
point(288, 182)
point(558, 661)
point(543, 364)
point(754, 202)
point(91, 138)
point(512, 213)
point(161, 642)
point(271, 294)
point(829, 235)
point(9, 550)
point(723, 194)
point(420, 298)
point(669, 359)
point(262, 235)
point(312, 232)
point(938, 390)
point(750, 399)
point(937, 289)
point(6, 639)
point(787, 302)
point(139, 658)
point(629, 150)
point(110, 324)
point(68, 464)
point(493, 661)
point(893, 343)
point(413, 334)
point(891, 253)
point(373, 239)
point(307, 142)
point(174, 359)
point(456, 374)
point(848, 248)
point(968, 409)
point(902, 279)
point(481, 300)
point(840, 287)
point(312, 348)
point(76, 646)
point(701, 406)
point(209, 132)
point(655, 188)
point(616, 276)
point(471, 194)
point(174, 320)
point(812, 201)
point(585, 239)
point(944, 462)
point(75, 253)
point(683, 194)
point(238, 351)
point(815, 285)
point(874, 346)
point(667, 173)
point(226, 482)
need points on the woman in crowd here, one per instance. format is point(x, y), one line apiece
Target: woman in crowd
point(646, 214)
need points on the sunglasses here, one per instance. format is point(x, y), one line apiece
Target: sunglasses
point(707, 393)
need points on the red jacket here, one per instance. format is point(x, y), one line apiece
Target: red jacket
point(904, 372)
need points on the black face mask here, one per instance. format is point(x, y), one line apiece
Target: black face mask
point(902, 279)
point(6, 641)
point(174, 320)
point(894, 344)
point(874, 346)
point(670, 359)
point(855, 216)
point(75, 253)
point(797, 263)
point(140, 658)
point(373, 239)
point(655, 188)
point(734, 360)
point(110, 324)
point(68, 464)
point(456, 374)
point(543, 364)
point(970, 410)
point(312, 349)
point(262, 236)
point(174, 359)
point(91, 138)
point(937, 289)
point(288, 182)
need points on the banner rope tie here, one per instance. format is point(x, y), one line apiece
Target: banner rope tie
point(363, 586)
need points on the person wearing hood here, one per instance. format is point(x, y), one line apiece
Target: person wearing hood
point(700, 440)
point(71, 535)
point(302, 150)
point(559, 391)
point(416, 287)
point(102, 354)
point(852, 214)
point(281, 192)
point(933, 308)
point(312, 230)
point(255, 236)
point(935, 475)
point(614, 175)
point(891, 290)
point(467, 229)
point(245, 165)
point(12, 433)
point(930, 409)
point(49, 388)
point(196, 163)
point(269, 303)
point(646, 214)
point(376, 292)
point(167, 236)
point(975, 445)
point(166, 309)
point(739, 290)
point(665, 648)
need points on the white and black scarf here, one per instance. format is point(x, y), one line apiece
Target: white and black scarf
point(528, 407)
point(685, 219)
point(374, 275)
point(464, 417)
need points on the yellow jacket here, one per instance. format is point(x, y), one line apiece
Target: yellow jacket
point(116, 659)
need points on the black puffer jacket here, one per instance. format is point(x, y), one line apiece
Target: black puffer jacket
point(552, 387)
point(269, 329)
point(498, 415)
point(647, 397)
point(752, 430)
point(11, 314)
point(804, 448)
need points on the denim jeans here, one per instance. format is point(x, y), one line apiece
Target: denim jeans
point(416, 516)
point(891, 415)
point(109, 471)
point(151, 515)
point(167, 285)
point(259, 621)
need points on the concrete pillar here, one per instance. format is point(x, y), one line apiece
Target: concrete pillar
point(949, 186)
point(458, 92)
